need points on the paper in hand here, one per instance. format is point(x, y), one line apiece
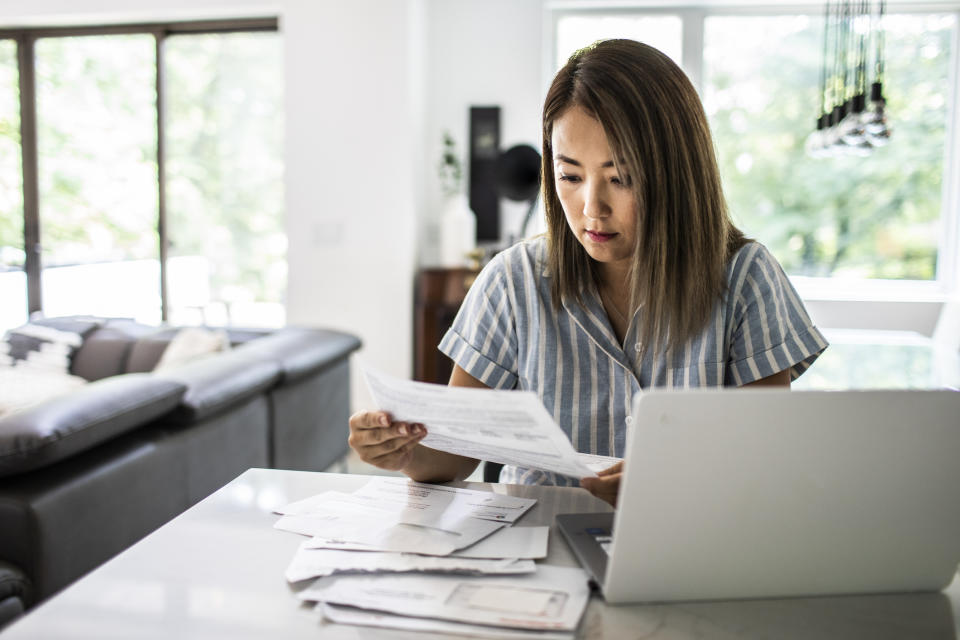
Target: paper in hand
point(508, 427)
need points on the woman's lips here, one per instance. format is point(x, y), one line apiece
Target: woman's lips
point(598, 236)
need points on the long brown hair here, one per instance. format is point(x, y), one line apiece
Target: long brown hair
point(660, 138)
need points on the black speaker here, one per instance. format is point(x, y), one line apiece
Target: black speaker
point(484, 151)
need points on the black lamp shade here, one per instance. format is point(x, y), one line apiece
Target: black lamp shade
point(518, 173)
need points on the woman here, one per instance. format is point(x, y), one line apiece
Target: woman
point(641, 281)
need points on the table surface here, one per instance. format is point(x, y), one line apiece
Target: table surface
point(216, 571)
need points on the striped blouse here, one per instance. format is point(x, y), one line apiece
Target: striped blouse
point(508, 336)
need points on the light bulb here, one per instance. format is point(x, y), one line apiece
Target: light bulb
point(832, 142)
point(880, 137)
point(852, 130)
point(815, 144)
point(874, 119)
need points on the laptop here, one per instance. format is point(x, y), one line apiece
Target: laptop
point(773, 493)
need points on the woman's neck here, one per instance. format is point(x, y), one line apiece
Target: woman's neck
point(615, 295)
point(615, 281)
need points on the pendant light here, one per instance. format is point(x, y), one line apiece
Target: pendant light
point(875, 118)
point(852, 128)
point(847, 122)
point(816, 142)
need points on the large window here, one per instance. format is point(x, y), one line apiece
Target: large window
point(225, 178)
point(661, 31)
point(13, 283)
point(869, 220)
point(155, 155)
point(97, 141)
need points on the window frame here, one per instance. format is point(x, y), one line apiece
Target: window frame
point(693, 16)
point(25, 39)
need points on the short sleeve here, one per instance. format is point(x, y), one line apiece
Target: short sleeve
point(482, 339)
point(772, 331)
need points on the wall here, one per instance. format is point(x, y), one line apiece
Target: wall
point(480, 53)
point(352, 148)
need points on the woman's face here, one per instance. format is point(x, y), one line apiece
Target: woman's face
point(597, 201)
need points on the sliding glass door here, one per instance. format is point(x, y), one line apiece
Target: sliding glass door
point(148, 182)
point(223, 149)
point(13, 281)
point(97, 150)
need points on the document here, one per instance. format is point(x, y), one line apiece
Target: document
point(314, 563)
point(341, 516)
point(552, 599)
point(509, 427)
point(418, 503)
point(528, 543)
point(349, 615)
point(442, 502)
point(597, 463)
point(510, 542)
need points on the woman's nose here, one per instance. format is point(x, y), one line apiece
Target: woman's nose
point(594, 202)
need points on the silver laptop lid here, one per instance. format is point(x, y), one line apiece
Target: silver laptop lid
point(762, 493)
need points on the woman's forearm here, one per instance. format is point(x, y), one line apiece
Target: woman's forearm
point(430, 465)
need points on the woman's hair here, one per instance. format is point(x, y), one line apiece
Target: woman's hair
point(659, 136)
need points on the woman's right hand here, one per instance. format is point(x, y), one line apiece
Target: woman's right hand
point(383, 443)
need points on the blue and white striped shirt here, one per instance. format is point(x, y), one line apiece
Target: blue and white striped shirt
point(508, 336)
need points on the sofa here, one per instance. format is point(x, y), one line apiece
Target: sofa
point(86, 474)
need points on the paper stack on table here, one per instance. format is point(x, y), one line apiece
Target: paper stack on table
point(401, 554)
point(550, 600)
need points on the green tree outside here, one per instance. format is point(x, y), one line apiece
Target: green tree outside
point(11, 182)
point(874, 217)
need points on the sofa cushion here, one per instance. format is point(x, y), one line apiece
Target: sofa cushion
point(69, 424)
point(216, 384)
point(301, 352)
point(105, 351)
point(147, 351)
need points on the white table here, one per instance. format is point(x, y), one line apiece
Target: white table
point(216, 571)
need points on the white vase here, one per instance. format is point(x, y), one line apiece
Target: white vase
point(458, 231)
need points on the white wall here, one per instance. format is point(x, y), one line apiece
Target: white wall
point(480, 53)
point(352, 146)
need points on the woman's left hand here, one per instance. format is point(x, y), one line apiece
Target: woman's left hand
point(607, 486)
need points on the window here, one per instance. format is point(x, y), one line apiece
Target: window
point(97, 168)
point(225, 178)
point(866, 220)
point(172, 214)
point(13, 283)
point(661, 31)
point(873, 217)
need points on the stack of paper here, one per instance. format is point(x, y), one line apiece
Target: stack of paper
point(550, 600)
point(406, 555)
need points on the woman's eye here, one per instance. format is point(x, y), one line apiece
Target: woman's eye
point(568, 178)
point(623, 182)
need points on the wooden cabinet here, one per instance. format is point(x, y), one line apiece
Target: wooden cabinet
point(437, 298)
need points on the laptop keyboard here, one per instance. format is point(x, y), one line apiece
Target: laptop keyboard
point(603, 538)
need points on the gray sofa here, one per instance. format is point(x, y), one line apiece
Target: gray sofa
point(86, 475)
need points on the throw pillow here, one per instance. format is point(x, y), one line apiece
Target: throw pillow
point(191, 343)
point(22, 387)
point(39, 347)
